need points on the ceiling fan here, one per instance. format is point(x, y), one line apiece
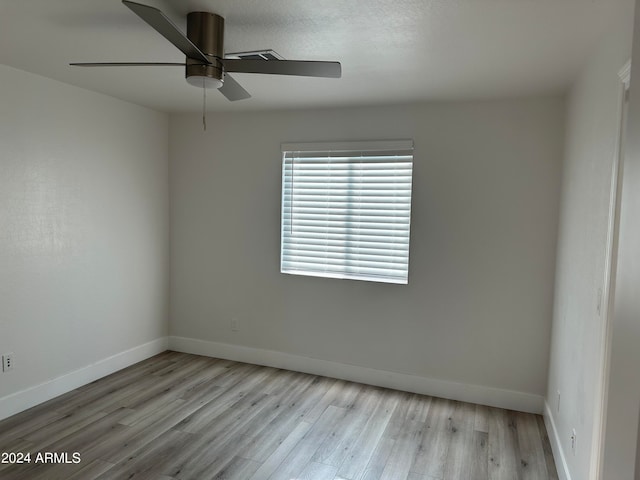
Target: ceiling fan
point(206, 65)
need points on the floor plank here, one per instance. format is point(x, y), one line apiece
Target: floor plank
point(434, 445)
point(503, 456)
point(185, 417)
point(355, 463)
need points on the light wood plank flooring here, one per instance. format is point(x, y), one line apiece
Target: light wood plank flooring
point(180, 416)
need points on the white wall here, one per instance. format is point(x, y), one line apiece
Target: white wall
point(477, 309)
point(621, 442)
point(83, 233)
point(592, 134)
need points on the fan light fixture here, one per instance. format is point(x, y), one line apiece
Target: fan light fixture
point(206, 31)
point(201, 81)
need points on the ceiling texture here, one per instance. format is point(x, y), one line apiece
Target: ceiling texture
point(392, 51)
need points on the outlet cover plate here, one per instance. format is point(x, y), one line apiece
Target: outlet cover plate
point(7, 362)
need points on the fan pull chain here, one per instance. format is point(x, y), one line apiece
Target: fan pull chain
point(204, 106)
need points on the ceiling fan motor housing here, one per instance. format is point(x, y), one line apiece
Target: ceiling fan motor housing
point(206, 31)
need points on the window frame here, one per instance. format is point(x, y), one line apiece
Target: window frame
point(372, 150)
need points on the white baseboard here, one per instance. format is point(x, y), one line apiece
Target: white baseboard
point(495, 397)
point(556, 446)
point(29, 397)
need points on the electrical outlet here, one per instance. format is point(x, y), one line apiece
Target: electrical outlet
point(234, 324)
point(7, 362)
point(574, 441)
point(558, 402)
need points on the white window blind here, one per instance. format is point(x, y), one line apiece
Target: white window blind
point(346, 210)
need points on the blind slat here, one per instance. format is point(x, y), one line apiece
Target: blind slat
point(346, 245)
point(337, 252)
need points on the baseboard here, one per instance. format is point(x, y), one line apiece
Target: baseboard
point(556, 445)
point(495, 397)
point(29, 397)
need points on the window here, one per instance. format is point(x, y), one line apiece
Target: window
point(346, 210)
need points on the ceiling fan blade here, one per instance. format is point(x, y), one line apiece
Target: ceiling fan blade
point(233, 90)
point(165, 27)
point(284, 67)
point(127, 64)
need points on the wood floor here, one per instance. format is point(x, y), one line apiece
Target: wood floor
point(179, 416)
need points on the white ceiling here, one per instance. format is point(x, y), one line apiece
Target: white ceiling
point(392, 51)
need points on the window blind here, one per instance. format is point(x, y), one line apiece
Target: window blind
point(346, 210)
